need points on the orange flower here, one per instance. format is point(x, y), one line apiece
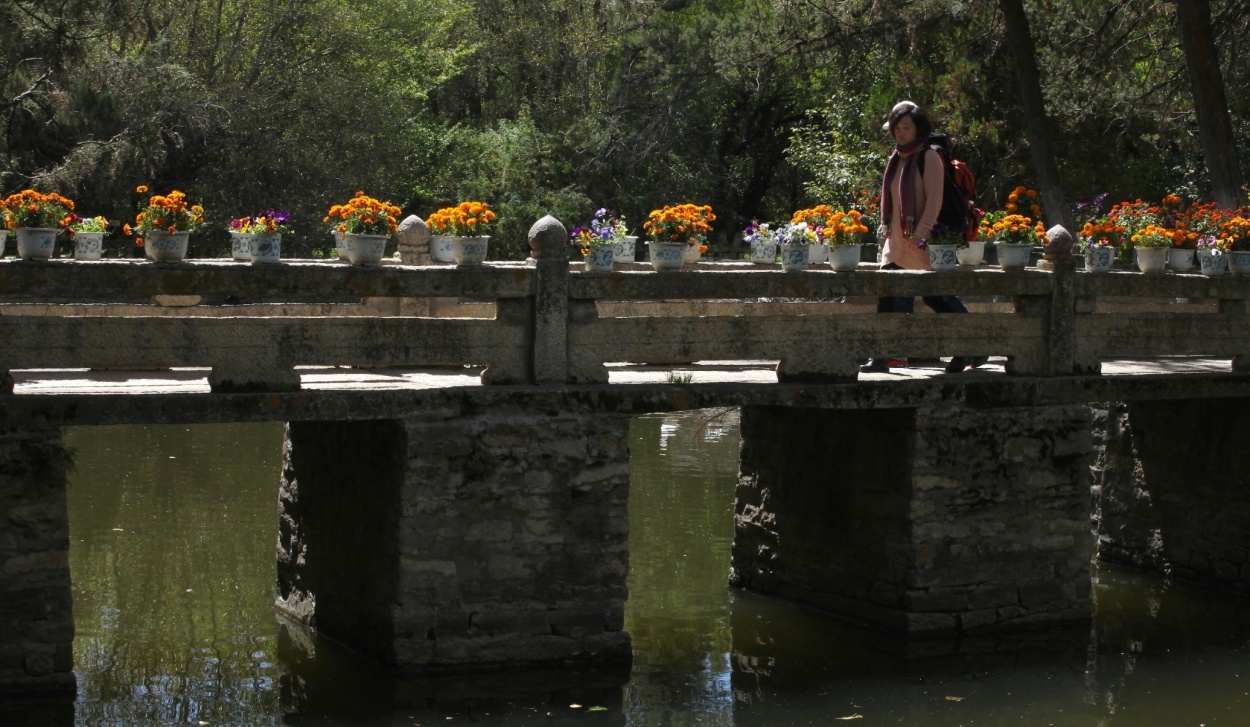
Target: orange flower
point(141, 188)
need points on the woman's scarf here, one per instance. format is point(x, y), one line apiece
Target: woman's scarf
point(907, 189)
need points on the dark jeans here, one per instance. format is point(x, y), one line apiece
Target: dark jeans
point(938, 303)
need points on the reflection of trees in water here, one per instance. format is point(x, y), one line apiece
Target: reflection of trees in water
point(172, 536)
point(683, 469)
point(1164, 652)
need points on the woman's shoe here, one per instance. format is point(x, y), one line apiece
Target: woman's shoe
point(875, 366)
point(957, 364)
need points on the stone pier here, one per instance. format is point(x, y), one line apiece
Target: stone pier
point(931, 521)
point(1175, 490)
point(36, 611)
point(476, 543)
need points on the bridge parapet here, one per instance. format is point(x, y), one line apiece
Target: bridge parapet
point(554, 323)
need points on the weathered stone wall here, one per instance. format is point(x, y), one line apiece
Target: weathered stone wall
point(36, 609)
point(933, 521)
point(338, 524)
point(1175, 490)
point(508, 539)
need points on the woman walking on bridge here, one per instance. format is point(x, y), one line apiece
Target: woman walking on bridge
point(910, 202)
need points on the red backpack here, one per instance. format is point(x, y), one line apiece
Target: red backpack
point(959, 191)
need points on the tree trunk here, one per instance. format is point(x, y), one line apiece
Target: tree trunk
point(1036, 128)
point(1215, 130)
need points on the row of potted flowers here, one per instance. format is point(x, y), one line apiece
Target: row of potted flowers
point(1168, 235)
point(163, 227)
point(1155, 235)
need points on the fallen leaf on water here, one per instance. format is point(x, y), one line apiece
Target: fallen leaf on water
point(954, 699)
point(853, 716)
point(575, 706)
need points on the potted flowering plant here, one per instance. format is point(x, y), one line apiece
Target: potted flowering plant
point(1013, 234)
point(843, 235)
point(88, 236)
point(762, 240)
point(676, 229)
point(942, 244)
point(1151, 244)
point(461, 230)
point(816, 218)
point(164, 226)
point(37, 218)
point(598, 242)
point(796, 240)
point(1235, 232)
point(362, 227)
point(1100, 238)
point(1195, 231)
point(703, 224)
point(263, 234)
point(240, 239)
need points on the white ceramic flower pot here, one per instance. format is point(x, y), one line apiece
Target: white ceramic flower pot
point(240, 246)
point(266, 248)
point(666, 256)
point(88, 245)
point(1151, 259)
point(625, 250)
point(1239, 262)
point(166, 247)
point(1012, 255)
point(1212, 264)
point(441, 249)
point(1099, 259)
point(844, 258)
point(691, 254)
point(1180, 260)
point(795, 256)
point(973, 254)
point(818, 254)
point(36, 243)
point(469, 250)
point(343, 245)
point(4, 234)
point(367, 249)
point(942, 258)
point(600, 259)
point(763, 252)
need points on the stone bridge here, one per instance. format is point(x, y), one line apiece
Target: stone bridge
point(482, 523)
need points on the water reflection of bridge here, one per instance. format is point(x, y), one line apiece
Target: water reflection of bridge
point(441, 522)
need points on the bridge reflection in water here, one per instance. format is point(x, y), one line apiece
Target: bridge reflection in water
point(1159, 653)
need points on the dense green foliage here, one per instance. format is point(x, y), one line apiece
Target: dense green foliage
point(756, 107)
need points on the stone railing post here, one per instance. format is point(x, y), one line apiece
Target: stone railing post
point(1061, 312)
point(549, 248)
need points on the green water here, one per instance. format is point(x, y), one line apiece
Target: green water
point(173, 535)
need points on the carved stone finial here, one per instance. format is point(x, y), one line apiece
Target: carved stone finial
point(549, 240)
point(413, 237)
point(1058, 248)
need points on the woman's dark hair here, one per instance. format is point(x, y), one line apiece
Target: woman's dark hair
point(924, 127)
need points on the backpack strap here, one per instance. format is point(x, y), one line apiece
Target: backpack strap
point(941, 155)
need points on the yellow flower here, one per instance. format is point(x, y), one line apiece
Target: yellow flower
point(141, 188)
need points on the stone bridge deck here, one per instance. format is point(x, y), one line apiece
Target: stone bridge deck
point(548, 324)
